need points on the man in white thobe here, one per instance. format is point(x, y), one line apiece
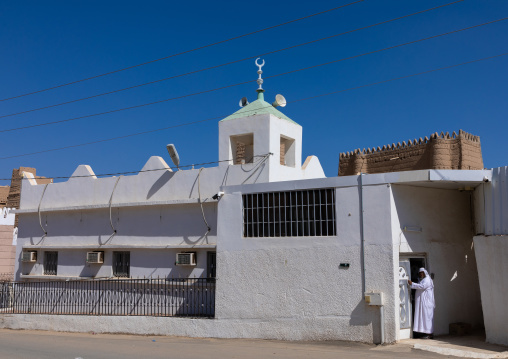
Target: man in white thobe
point(424, 304)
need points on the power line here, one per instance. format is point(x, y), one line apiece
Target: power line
point(400, 78)
point(184, 52)
point(229, 63)
point(387, 48)
point(246, 82)
point(223, 116)
point(132, 172)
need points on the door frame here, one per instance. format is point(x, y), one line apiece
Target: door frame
point(405, 333)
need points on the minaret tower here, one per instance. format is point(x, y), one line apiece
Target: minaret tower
point(259, 131)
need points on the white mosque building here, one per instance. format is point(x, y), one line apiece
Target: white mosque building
point(296, 256)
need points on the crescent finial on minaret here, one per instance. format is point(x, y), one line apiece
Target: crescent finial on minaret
point(260, 80)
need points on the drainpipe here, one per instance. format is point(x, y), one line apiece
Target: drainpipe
point(368, 296)
point(382, 320)
point(362, 236)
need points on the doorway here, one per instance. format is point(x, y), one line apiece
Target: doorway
point(409, 264)
point(211, 265)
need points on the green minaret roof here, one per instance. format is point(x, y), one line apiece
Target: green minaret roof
point(258, 107)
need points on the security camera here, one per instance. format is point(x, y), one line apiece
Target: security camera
point(486, 179)
point(218, 195)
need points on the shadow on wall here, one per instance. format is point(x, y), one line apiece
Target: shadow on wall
point(166, 176)
point(162, 263)
point(444, 217)
point(365, 315)
point(198, 240)
point(151, 221)
point(90, 270)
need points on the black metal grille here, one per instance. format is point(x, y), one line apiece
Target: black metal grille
point(50, 263)
point(121, 264)
point(289, 214)
point(182, 297)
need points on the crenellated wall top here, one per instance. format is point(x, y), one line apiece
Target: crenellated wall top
point(416, 142)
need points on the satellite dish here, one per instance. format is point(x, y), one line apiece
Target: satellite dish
point(243, 102)
point(174, 155)
point(279, 101)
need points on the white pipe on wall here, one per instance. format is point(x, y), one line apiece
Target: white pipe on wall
point(382, 320)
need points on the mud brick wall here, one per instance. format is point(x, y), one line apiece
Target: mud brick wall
point(15, 191)
point(440, 151)
point(240, 153)
point(283, 153)
point(7, 251)
point(4, 192)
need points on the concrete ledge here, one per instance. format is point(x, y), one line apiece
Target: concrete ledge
point(122, 246)
point(331, 328)
point(463, 347)
point(116, 205)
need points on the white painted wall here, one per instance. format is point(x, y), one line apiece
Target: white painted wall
point(154, 208)
point(491, 249)
point(278, 288)
point(491, 257)
point(446, 239)
point(267, 130)
point(7, 217)
point(295, 284)
point(491, 204)
point(73, 233)
point(145, 187)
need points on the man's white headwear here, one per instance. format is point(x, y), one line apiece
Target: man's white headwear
point(426, 275)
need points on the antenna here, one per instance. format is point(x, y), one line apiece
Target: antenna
point(279, 101)
point(243, 102)
point(174, 155)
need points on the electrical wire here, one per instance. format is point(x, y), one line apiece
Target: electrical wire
point(110, 203)
point(263, 158)
point(183, 52)
point(39, 214)
point(201, 204)
point(250, 81)
point(388, 48)
point(258, 166)
point(229, 63)
point(400, 78)
point(223, 116)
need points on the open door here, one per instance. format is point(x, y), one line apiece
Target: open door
point(405, 307)
point(408, 269)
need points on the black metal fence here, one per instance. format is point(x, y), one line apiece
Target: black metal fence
point(165, 297)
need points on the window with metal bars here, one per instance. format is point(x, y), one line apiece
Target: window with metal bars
point(50, 263)
point(306, 213)
point(121, 264)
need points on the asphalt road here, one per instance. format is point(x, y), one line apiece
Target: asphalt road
point(17, 344)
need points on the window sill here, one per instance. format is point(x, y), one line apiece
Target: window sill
point(53, 277)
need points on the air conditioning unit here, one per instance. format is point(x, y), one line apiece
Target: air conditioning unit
point(95, 257)
point(29, 256)
point(186, 259)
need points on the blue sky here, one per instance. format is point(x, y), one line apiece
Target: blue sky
point(45, 44)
